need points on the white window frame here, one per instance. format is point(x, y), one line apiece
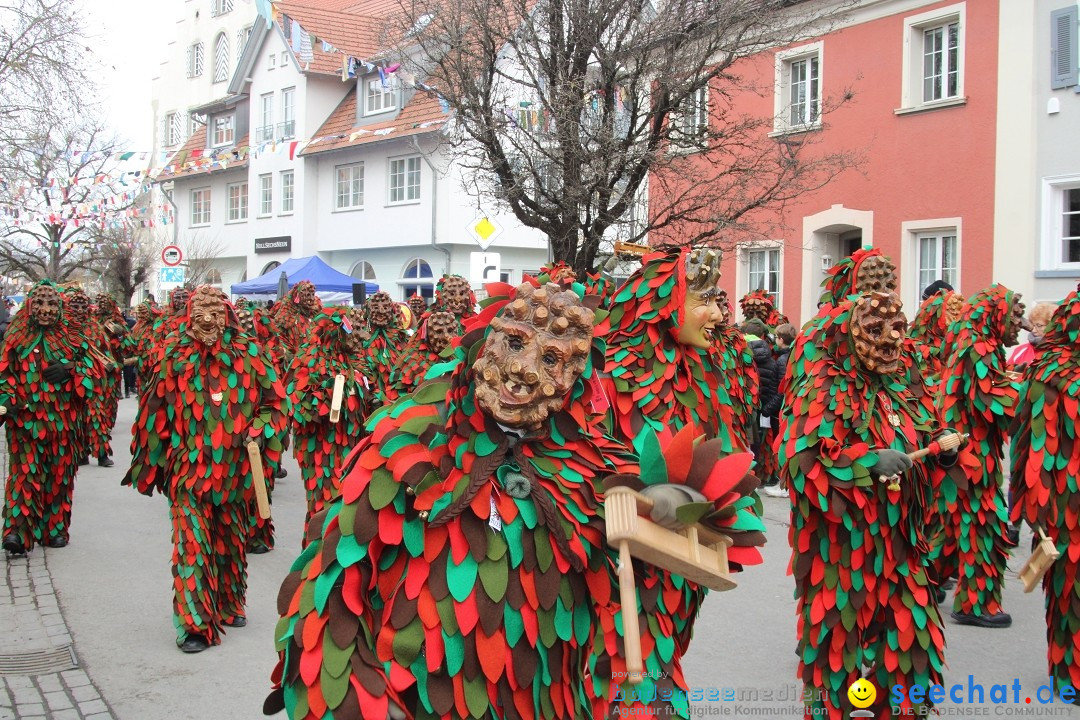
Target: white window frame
point(271, 61)
point(219, 138)
point(265, 130)
point(288, 192)
point(196, 60)
point(242, 36)
point(221, 58)
point(424, 286)
point(410, 191)
point(173, 130)
point(783, 64)
point(284, 58)
point(1052, 235)
point(194, 123)
point(938, 270)
point(695, 117)
point(912, 231)
point(354, 199)
point(288, 113)
point(237, 194)
point(200, 206)
point(379, 100)
point(365, 265)
point(742, 280)
point(220, 7)
point(266, 195)
point(915, 27)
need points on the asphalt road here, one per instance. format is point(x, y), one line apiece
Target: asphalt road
point(114, 586)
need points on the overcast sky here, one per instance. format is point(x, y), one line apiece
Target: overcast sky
point(128, 39)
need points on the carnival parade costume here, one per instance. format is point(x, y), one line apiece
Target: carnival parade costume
point(214, 392)
point(386, 340)
point(436, 332)
point(44, 383)
point(863, 596)
point(979, 398)
point(1046, 476)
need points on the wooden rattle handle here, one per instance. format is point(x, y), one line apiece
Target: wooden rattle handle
point(335, 403)
point(945, 444)
point(631, 630)
point(258, 479)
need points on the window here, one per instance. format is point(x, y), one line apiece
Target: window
point(221, 58)
point(938, 259)
point(213, 277)
point(270, 266)
point(200, 207)
point(381, 96)
point(284, 58)
point(172, 128)
point(1070, 225)
point(933, 67)
point(797, 92)
point(505, 275)
point(350, 187)
point(941, 62)
point(405, 180)
point(266, 195)
point(220, 7)
point(265, 133)
point(194, 122)
point(1061, 225)
point(224, 129)
point(288, 114)
point(242, 36)
point(1064, 42)
point(238, 202)
point(271, 62)
point(763, 272)
point(417, 280)
point(362, 270)
point(195, 60)
point(690, 122)
point(287, 191)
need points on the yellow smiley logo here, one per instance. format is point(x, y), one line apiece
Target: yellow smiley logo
point(862, 693)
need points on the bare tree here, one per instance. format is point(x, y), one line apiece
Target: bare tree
point(590, 119)
point(126, 259)
point(42, 56)
point(60, 187)
point(201, 253)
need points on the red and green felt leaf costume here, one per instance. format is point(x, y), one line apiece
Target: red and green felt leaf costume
point(432, 584)
point(380, 356)
point(655, 386)
point(105, 400)
point(862, 592)
point(321, 445)
point(415, 360)
point(1046, 478)
point(290, 321)
point(42, 422)
point(189, 440)
point(978, 398)
point(761, 297)
point(140, 341)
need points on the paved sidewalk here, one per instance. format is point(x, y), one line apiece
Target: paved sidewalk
point(40, 675)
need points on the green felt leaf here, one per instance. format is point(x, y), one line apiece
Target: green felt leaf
point(383, 488)
point(691, 513)
point(461, 578)
point(494, 578)
point(407, 642)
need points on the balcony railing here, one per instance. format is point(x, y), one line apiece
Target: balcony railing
point(271, 133)
point(286, 130)
point(264, 133)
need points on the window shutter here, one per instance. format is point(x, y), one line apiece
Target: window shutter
point(190, 63)
point(1063, 48)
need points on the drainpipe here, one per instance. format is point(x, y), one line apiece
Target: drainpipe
point(434, 205)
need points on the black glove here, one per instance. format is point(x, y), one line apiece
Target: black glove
point(890, 462)
point(58, 372)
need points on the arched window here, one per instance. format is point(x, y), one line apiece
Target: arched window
point(363, 271)
point(270, 266)
point(221, 58)
point(213, 277)
point(417, 279)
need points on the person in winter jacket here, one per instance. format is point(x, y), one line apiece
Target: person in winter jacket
point(769, 399)
point(783, 338)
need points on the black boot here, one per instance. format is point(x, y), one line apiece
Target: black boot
point(237, 621)
point(14, 545)
point(105, 461)
point(84, 460)
point(57, 542)
point(280, 473)
point(194, 644)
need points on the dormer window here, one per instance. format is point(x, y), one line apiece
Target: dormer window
point(381, 96)
point(224, 130)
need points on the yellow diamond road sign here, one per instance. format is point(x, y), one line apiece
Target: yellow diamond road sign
point(484, 230)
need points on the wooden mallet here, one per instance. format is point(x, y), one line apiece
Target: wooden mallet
point(335, 403)
point(258, 479)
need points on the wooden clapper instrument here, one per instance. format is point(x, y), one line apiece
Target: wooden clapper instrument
point(335, 402)
point(1042, 557)
point(695, 552)
point(258, 479)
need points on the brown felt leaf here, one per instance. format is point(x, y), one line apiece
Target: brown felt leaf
point(344, 625)
point(287, 591)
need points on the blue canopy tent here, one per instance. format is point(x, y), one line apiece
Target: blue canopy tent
point(329, 283)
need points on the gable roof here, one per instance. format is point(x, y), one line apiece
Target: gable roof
point(194, 158)
point(349, 32)
point(422, 114)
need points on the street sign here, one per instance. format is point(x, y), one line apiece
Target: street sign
point(484, 231)
point(171, 255)
point(172, 277)
point(484, 267)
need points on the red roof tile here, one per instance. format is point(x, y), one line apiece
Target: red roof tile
point(349, 33)
point(195, 159)
point(421, 115)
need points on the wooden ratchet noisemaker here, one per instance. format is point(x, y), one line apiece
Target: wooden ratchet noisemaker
point(258, 479)
point(335, 403)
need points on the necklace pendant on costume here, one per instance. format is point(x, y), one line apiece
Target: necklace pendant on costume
point(494, 519)
point(894, 486)
point(894, 420)
point(216, 397)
